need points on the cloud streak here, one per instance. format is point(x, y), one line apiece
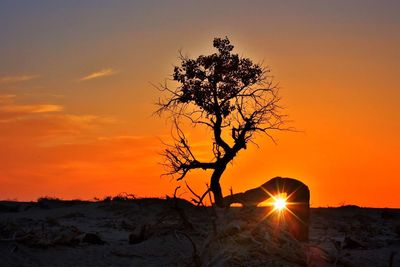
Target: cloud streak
point(99, 74)
point(16, 79)
point(9, 110)
point(29, 109)
point(6, 98)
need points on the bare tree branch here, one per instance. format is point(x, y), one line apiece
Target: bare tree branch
point(200, 199)
point(228, 94)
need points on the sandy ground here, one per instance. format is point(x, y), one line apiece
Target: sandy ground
point(155, 232)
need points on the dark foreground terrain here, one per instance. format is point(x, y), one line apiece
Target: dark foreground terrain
point(159, 232)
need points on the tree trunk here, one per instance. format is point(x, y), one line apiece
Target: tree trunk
point(215, 186)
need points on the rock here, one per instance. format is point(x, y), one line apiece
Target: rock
point(234, 227)
point(296, 192)
point(93, 239)
point(350, 243)
point(67, 236)
point(138, 235)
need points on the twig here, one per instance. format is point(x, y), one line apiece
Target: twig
point(181, 212)
point(200, 198)
point(195, 255)
point(176, 190)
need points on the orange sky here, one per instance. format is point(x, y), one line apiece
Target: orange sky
point(76, 101)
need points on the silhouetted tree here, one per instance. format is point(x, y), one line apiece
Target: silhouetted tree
point(230, 95)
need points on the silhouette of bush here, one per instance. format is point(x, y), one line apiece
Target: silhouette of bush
point(120, 197)
point(52, 202)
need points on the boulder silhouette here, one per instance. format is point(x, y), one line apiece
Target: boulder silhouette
point(298, 195)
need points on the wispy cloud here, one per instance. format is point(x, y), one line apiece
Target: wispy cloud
point(121, 137)
point(89, 120)
point(16, 79)
point(6, 98)
point(29, 109)
point(99, 74)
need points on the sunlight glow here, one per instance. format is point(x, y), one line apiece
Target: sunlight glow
point(280, 204)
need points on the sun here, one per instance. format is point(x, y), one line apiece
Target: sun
point(280, 203)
